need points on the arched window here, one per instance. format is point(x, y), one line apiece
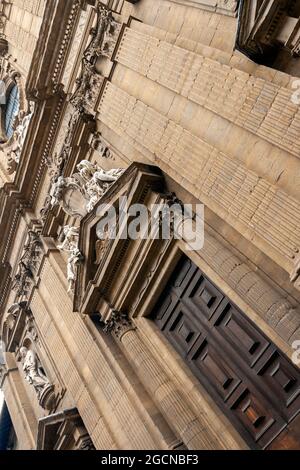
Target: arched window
point(11, 111)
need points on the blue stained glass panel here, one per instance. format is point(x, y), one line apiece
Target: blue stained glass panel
point(12, 109)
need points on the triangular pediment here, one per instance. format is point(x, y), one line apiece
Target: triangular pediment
point(103, 258)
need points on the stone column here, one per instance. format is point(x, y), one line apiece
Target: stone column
point(195, 433)
point(19, 406)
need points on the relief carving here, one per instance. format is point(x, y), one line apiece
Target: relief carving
point(97, 143)
point(104, 38)
point(79, 194)
point(27, 265)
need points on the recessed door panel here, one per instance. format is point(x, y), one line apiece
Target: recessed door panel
point(252, 381)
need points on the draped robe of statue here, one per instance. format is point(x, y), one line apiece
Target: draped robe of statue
point(33, 372)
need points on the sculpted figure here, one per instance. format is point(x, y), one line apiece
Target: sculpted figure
point(70, 245)
point(19, 136)
point(90, 181)
point(33, 372)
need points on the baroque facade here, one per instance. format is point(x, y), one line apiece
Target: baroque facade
point(118, 343)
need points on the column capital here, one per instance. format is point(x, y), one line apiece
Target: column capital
point(118, 324)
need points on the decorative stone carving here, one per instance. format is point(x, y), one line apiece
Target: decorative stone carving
point(65, 44)
point(70, 245)
point(57, 162)
point(97, 143)
point(101, 246)
point(295, 274)
point(85, 443)
point(104, 38)
point(118, 324)
point(27, 265)
point(18, 139)
point(79, 194)
point(229, 6)
point(34, 374)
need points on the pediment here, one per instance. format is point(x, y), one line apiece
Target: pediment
point(103, 258)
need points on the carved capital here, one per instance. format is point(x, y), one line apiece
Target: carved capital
point(85, 443)
point(118, 324)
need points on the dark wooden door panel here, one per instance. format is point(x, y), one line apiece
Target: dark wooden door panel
point(211, 367)
point(255, 385)
point(244, 339)
point(182, 330)
point(261, 422)
point(281, 379)
point(289, 439)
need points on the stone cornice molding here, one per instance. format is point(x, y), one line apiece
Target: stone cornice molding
point(260, 29)
point(52, 46)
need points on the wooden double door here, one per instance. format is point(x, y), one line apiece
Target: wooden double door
point(252, 381)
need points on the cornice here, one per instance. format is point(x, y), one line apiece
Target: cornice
point(55, 35)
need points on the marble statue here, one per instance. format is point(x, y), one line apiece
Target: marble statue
point(70, 245)
point(33, 372)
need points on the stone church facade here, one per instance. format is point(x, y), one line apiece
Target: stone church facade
point(118, 343)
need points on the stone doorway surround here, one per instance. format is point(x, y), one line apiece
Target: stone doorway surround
point(123, 290)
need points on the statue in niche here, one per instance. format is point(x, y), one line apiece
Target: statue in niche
point(33, 371)
point(70, 245)
point(19, 136)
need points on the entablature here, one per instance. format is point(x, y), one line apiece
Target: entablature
point(269, 32)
